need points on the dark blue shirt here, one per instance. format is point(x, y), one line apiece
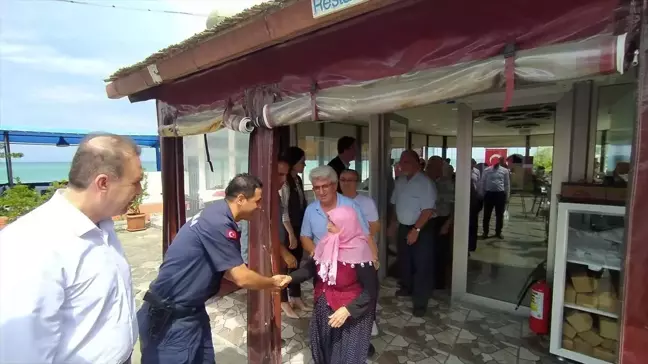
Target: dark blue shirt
point(203, 250)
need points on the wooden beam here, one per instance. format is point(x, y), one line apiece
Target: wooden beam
point(633, 348)
point(264, 311)
point(174, 213)
point(251, 35)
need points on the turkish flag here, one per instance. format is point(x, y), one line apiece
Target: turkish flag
point(231, 234)
point(492, 156)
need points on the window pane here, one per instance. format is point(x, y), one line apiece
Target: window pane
point(419, 143)
point(333, 132)
point(321, 149)
point(615, 127)
point(451, 152)
point(228, 153)
point(308, 139)
point(365, 153)
point(434, 145)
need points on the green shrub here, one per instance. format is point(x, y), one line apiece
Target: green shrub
point(21, 199)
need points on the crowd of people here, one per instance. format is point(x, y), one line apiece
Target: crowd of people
point(74, 301)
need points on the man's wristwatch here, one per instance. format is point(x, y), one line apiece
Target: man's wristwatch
point(417, 229)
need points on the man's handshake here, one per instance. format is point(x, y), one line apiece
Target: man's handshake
point(281, 281)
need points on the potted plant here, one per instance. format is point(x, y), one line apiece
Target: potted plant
point(135, 219)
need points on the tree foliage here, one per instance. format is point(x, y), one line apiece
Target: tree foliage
point(543, 158)
point(13, 155)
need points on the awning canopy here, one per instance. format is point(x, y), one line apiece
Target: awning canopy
point(62, 139)
point(54, 138)
point(591, 57)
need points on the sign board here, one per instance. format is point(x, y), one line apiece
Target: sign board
point(327, 7)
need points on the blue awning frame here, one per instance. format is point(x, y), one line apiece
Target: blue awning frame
point(10, 136)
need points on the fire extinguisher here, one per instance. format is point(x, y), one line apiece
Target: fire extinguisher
point(540, 307)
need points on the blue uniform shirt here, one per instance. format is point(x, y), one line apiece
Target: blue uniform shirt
point(203, 250)
point(315, 220)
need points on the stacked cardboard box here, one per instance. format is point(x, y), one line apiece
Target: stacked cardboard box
point(580, 334)
point(586, 333)
point(591, 292)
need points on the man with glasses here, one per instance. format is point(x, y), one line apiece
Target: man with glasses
point(349, 179)
point(315, 226)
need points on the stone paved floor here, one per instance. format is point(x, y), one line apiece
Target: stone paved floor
point(449, 334)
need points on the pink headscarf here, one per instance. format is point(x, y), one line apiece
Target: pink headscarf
point(349, 246)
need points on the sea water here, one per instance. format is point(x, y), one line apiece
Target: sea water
point(30, 172)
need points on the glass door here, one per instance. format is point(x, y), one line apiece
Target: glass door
point(502, 197)
point(396, 143)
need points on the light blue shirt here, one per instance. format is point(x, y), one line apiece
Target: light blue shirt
point(315, 220)
point(496, 180)
point(413, 196)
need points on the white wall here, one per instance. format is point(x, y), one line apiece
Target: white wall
point(154, 187)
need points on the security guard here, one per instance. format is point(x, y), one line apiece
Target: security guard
point(173, 324)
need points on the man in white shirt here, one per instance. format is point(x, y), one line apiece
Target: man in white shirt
point(349, 179)
point(65, 285)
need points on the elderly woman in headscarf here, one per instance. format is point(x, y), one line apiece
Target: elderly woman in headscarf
point(346, 289)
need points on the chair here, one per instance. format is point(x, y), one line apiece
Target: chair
point(539, 195)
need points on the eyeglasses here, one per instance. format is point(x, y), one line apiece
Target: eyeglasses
point(322, 187)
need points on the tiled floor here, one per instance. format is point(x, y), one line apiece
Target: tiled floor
point(450, 333)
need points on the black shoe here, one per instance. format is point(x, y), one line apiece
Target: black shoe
point(372, 350)
point(499, 236)
point(419, 312)
point(484, 236)
point(403, 293)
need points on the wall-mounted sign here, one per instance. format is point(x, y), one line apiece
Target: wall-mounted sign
point(326, 7)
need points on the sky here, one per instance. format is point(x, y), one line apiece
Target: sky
point(55, 55)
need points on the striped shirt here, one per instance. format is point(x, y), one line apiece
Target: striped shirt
point(445, 196)
point(496, 180)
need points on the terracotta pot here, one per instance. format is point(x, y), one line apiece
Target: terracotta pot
point(4, 221)
point(135, 222)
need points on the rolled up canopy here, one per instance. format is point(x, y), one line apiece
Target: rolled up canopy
point(599, 55)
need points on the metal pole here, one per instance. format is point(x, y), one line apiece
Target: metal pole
point(158, 157)
point(7, 150)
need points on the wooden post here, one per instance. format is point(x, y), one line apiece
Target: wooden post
point(634, 319)
point(174, 211)
point(264, 311)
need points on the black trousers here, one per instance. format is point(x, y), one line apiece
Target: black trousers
point(417, 263)
point(293, 289)
point(476, 205)
point(441, 252)
point(495, 200)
